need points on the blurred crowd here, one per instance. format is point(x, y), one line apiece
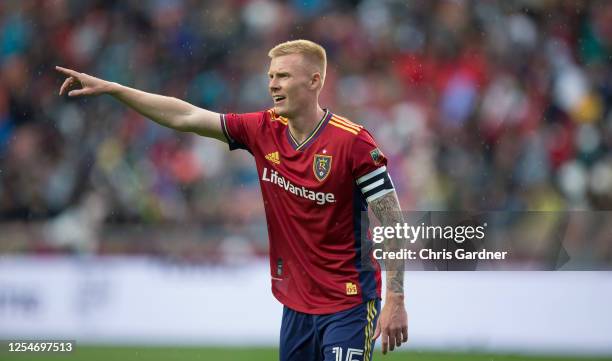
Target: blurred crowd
point(479, 105)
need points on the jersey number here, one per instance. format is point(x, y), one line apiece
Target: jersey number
point(350, 352)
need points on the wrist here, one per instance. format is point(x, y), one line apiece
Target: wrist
point(112, 88)
point(394, 297)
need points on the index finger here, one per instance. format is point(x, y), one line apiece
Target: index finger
point(67, 71)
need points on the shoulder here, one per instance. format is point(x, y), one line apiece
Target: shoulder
point(257, 116)
point(255, 120)
point(363, 149)
point(352, 132)
point(345, 126)
point(273, 118)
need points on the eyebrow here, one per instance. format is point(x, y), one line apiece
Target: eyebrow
point(278, 73)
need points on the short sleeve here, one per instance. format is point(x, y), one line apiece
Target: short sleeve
point(241, 129)
point(370, 167)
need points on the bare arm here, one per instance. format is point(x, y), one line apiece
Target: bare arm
point(388, 212)
point(393, 320)
point(167, 111)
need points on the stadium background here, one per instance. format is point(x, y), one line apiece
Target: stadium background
point(496, 105)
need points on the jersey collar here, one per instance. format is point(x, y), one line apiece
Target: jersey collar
point(313, 135)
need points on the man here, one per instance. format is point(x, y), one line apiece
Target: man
point(318, 172)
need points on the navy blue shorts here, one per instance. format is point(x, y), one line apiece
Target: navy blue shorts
point(340, 336)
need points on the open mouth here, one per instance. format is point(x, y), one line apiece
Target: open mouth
point(278, 98)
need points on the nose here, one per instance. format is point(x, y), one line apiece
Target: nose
point(273, 84)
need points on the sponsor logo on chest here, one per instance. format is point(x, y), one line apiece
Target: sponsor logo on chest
point(274, 177)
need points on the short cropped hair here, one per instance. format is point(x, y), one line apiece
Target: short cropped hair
point(311, 50)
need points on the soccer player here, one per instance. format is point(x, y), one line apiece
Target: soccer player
point(318, 172)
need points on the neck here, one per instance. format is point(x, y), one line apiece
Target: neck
point(303, 124)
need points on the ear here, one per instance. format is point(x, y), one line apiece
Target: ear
point(315, 81)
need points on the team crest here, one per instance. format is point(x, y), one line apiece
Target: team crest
point(377, 156)
point(321, 166)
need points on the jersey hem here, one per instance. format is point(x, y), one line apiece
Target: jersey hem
point(323, 310)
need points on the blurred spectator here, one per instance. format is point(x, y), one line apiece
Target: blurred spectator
point(477, 104)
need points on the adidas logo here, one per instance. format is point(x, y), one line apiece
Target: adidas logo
point(273, 157)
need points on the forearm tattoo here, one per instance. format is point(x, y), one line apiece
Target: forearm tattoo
point(388, 212)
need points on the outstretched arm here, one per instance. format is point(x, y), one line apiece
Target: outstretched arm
point(393, 320)
point(167, 111)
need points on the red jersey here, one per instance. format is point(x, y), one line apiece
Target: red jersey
point(314, 193)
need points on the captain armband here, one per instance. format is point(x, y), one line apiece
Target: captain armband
point(375, 184)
